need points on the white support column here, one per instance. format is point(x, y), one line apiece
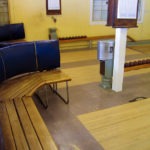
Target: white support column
point(119, 58)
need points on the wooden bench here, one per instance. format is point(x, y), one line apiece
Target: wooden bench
point(28, 84)
point(91, 38)
point(22, 126)
point(24, 68)
point(137, 67)
point(21, 123)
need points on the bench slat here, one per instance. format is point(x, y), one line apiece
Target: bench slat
point(19, 87)
point(46, 77)
point(19, 137)
point(42, 131)
point(29, 132)
point(8, 140)
point(54, 76)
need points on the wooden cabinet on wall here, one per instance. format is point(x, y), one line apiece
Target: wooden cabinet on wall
point(114, 21)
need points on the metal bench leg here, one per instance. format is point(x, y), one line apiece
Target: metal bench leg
point(44, 103)
point(55, 90)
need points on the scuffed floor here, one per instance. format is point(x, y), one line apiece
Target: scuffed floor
point(86, 95)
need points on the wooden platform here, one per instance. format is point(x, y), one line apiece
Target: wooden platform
point(124, 127)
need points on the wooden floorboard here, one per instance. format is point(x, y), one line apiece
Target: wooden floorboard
point(125, 127)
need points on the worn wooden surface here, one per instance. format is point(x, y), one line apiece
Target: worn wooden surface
point(38, 125)
point(124, 127)
point(22, 126)
point(28, 84)
point(6, 128)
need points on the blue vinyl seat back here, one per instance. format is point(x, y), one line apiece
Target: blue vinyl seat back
point(18, 59)
point(48, 54)
point(2, 71)
point(12, 32)
point(3, 44)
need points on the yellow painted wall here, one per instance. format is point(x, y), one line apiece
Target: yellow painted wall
point(143, 30)
point(74, 20)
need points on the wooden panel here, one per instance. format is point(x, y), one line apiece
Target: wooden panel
point(19, 137)
point(125, 127)
point(28, 129)
point(8, 139)
point(41, 129)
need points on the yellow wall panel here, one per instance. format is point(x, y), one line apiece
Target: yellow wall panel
point(74, 20)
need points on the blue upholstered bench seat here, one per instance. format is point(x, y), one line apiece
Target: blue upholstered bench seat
point(4, 44)
point(19, 58)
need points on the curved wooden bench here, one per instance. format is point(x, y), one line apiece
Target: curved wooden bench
point(27, 85)
point(22, 126)
point(24, 68)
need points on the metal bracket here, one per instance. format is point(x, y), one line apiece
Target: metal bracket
point(44, 103)
point(54, 89)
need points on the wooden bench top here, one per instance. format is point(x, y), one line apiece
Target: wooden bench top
point(28, 84)
point(106, 37)
point(137, 67)
point(20, 122)
point(22, 126)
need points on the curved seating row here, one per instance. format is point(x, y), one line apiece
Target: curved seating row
point(27, 57)
point(18, 113)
